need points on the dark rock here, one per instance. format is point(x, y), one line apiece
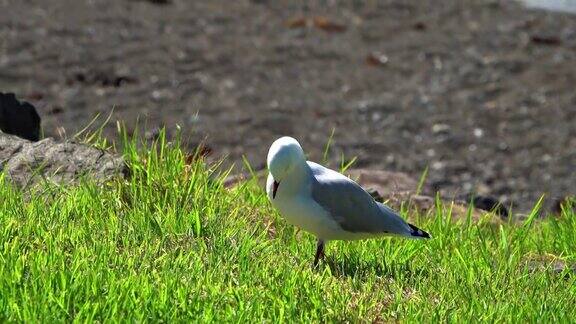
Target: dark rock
point(545, 40)
point(419, 26)
point(376, 59)
point(100, 77)
point(26, 163)
point(56, 110)
point(18, 118)
point(564, 203)
point(490, 204)
point(375, 194)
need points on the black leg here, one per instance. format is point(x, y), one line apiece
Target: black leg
point(319, 251)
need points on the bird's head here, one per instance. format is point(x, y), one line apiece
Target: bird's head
point(284, 155)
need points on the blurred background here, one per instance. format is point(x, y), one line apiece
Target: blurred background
point(480, 92)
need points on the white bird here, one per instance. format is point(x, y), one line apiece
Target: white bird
point(326, 203)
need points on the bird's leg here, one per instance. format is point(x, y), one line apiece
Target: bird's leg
point(319, 251)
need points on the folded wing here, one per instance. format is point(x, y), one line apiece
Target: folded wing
point(351, 206)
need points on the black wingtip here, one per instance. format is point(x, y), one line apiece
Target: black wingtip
point(416, 232)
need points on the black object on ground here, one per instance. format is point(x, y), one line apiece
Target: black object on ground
point(18, 118)
point(564, 203)
point(490, 204)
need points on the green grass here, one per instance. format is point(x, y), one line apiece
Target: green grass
point(171, 243)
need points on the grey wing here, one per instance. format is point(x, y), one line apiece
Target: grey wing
point(351, 206)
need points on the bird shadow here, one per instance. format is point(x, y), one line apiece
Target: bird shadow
point(354, 267)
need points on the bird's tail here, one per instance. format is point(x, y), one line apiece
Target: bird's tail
point(418, 233)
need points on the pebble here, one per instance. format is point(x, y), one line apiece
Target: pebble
point(440, 128)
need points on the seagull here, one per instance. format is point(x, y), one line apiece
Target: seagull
point(326, 203)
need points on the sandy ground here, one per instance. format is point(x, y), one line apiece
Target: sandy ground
point(481, 92)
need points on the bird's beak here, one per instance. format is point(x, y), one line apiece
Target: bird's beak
point(274, 188)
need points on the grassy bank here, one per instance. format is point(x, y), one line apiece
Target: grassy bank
point(172, 243)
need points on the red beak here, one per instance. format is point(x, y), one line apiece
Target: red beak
point(274, 189)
